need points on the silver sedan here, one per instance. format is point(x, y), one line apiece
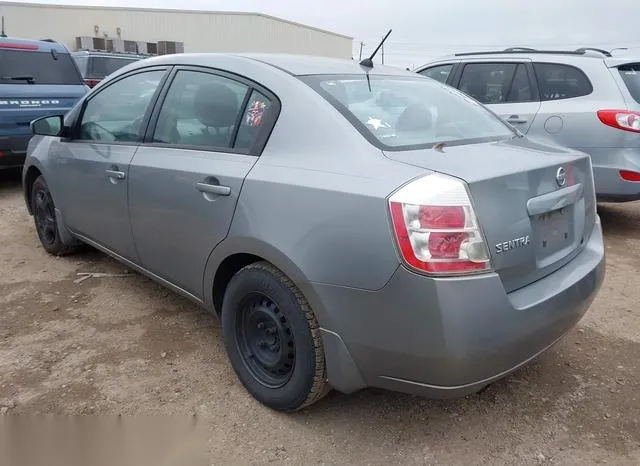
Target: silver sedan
point(352, 226)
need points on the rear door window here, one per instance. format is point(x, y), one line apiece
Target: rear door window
point(520, 90)
point(631, 76)
point(200, 110)
point(439, 73)
point(24, 67)
point(557, 81)
point(488, 83)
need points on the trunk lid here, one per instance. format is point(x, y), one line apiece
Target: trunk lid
point(532, 224)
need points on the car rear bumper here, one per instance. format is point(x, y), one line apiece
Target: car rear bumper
point(450, 337)
point(13, 150)
point(607, 163)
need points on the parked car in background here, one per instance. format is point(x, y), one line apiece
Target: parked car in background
point(96, 65)
point(585, 99)
point(37, 78)
point(352, 227)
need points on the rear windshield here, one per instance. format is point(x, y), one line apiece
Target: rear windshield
point(25, 67)
point(631, 76)
point(101, 67)
point(402, 113)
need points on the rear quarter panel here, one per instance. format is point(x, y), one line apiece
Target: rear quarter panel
point(574, 122)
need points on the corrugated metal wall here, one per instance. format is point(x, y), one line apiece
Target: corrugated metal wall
point(200, 31)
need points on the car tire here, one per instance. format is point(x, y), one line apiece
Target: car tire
point(44, 215)
point(273, 339)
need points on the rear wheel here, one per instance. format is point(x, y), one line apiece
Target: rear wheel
point(44, 215)
point(273, 339)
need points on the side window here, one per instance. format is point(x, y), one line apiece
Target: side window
point(116, 113)
point(488, 83)
point(520, 87)
point(557, 81)
point(439, 73)
point(201, 109)
point(252, 120)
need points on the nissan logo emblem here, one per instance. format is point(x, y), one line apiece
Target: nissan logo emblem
point(561, 177)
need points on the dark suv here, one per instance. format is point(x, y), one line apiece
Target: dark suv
point(37, 79)
point(95, 65)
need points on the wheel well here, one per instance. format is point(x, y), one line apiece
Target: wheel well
point(227, 269)
point(32, 174)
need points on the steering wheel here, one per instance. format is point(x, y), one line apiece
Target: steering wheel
point(136, 124)
point(97, 132)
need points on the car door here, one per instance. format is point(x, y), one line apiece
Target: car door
point(185, 180)
point(92, 166)
point(506, 88)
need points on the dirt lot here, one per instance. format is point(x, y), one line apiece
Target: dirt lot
point(124, 345)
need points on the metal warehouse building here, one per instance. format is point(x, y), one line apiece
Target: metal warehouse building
point(198, 31)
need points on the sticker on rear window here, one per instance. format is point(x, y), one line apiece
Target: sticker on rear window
point(255, 113)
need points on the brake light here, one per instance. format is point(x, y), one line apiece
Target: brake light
point(621, 119)
point(91, 82)
point(436, 227)
point(7, 45)
point(628, 175)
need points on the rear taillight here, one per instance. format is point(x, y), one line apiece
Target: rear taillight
point(629, 175)
point(621, 119)
point(91, 82)
point(436, 227)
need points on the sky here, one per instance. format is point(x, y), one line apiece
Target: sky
point(425, 29)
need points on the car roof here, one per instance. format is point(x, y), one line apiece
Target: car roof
point(32, 45)
point(100, 53)
point(524, 53)
point(297, 65)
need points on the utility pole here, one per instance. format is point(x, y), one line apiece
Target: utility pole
point(361, 45)
point(382, 53)
point(2, 34)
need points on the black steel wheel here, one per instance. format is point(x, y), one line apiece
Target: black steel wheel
point(44, 216)
point(273, 339)
point(265, 340)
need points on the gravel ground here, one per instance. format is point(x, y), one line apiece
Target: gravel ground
point(124, 345)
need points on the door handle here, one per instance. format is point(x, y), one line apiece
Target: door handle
point(516, 119)
point(118, 175)
point(213, 189)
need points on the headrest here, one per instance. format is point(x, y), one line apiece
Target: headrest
point(415, 117)
point(216, 106)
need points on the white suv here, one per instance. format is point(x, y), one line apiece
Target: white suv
point(585, 99)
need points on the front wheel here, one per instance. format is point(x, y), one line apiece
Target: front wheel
point(44, 215)
point(273, 339)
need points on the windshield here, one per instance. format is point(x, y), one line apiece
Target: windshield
point(25, 67)
point(631, 76)
point(397, 113)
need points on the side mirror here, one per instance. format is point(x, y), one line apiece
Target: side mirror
point(48, 126)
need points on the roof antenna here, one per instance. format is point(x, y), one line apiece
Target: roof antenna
point(368, 62)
